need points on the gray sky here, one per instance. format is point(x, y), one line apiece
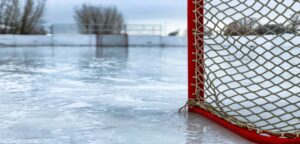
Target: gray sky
point(171, 13)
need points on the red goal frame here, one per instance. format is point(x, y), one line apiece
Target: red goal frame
point(251, 135)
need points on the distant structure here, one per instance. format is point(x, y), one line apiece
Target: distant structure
point(175, 33)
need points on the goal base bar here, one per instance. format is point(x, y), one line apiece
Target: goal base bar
point(245, 133)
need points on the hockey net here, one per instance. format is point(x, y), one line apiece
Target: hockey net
point(244, 64)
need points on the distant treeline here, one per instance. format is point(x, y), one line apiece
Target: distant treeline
point(27, 17)
point(251, 26)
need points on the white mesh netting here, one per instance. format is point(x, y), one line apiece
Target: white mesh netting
point(251, 63)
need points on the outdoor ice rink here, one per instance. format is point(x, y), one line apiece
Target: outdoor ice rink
point(99, 96)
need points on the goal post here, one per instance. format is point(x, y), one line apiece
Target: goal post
point(244, 67)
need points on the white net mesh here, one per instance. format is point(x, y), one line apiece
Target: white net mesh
point(251, 63)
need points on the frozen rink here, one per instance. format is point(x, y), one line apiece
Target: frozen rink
point(85, 95)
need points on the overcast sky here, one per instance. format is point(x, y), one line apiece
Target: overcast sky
point(171, 13)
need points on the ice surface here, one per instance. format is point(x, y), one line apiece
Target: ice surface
point(99, 96)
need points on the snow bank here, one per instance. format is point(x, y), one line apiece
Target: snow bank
point(268, 41)
point(286, 40)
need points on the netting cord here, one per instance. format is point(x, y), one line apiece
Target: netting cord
point(199, 101)
point(205, 106)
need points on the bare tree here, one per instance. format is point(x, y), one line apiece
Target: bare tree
point(232, 29)
point(9, 12)
point(26, 20)
point(208, 31)
point(31, 20)
point(97, 19)
point(245, 26)
point(271, 29)
point(295, 23)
